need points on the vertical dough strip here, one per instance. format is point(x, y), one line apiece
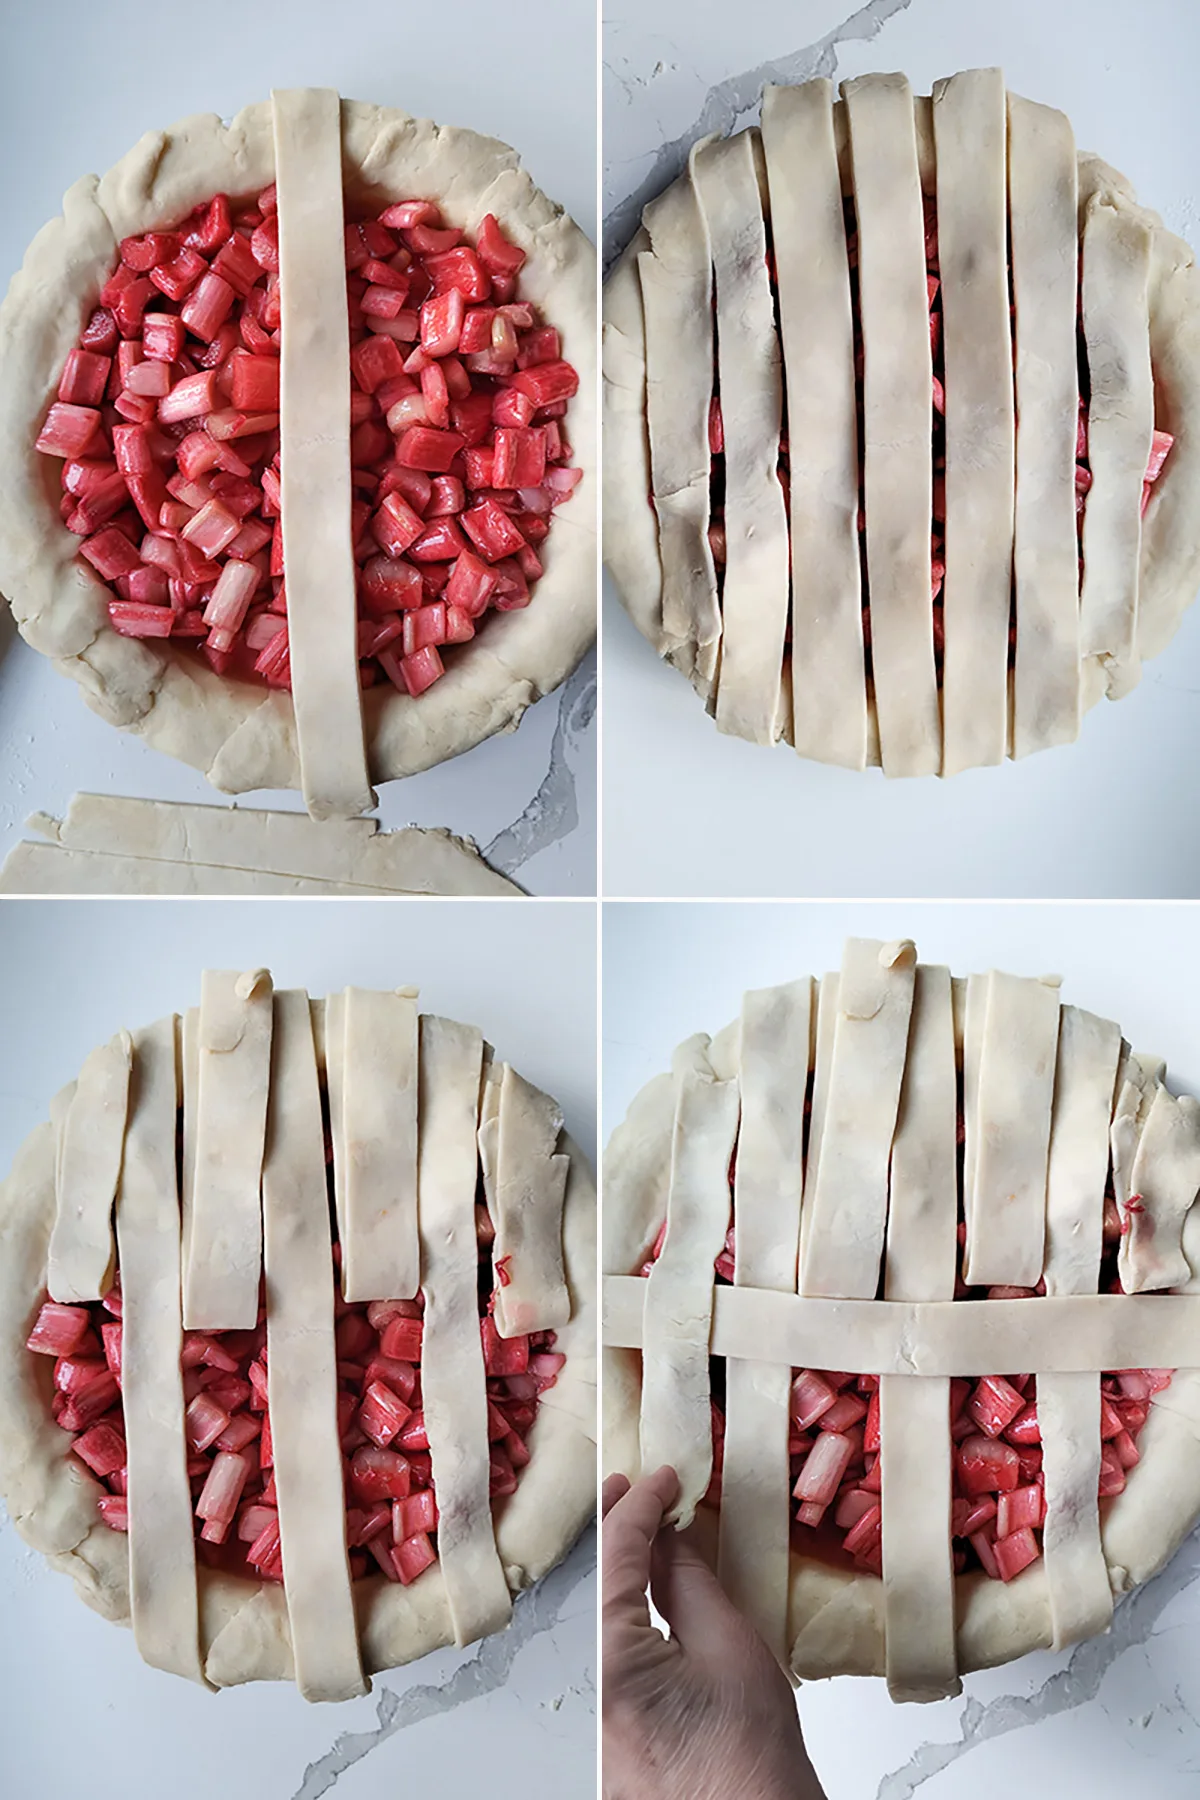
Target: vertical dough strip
point(755, 1510)
point(89, 1167)
point(1166, 1176)
point(453, 1383)
point(377, 1094)
point(302, 1367)
point(754, 594)
point(220, 1289)
point(897, 409)
point(527, 1255)
point(1042, 195)
point(315, 457)
point(829, 694)
point(971, 135)
point(162, 1555)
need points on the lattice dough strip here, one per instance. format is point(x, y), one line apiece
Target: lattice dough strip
point(377, 1095)
point(1166, 1175)
point(530, 1183)
point(88, 1168)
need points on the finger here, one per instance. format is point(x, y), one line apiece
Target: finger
point(691, 1599)
point(614, 1488)
point(633, 1521)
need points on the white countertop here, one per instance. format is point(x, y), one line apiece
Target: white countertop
point(688, 811)
point(512, 1717)
point(78, 86)
point(1114, 1717)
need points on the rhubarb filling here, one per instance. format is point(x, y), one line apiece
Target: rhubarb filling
point(391, 1502)
point(998, 1501)
point(167, 424)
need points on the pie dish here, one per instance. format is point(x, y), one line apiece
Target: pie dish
point(197, 315)
point(349, 1303)
point(900, 399)
point(827, 1231)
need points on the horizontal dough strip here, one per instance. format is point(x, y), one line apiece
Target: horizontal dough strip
point(1069, 1334)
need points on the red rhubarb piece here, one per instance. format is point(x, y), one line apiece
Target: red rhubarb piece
point(986, 1465)
point(413, 1557)
point(59, 1329)
point(994, 1404)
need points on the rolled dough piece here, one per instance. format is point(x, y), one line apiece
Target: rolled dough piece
point(162, 1547)
point(378, 1145)
point(302, 1367)
point(314, 423)
point(453, 1384)
point(829, 693)
point(530, 1182)
point(1042, 198)
point(220, 1289)
point(89, 1167)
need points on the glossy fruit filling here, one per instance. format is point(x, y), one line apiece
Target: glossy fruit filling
point(167, 424)
point(391, 1500)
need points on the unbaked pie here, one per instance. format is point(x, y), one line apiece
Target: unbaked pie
point(325, 1400)
point(290, 409)
point(901, 463)
point(903, 1277)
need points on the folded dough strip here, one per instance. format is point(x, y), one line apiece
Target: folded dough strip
point(971, 136)
point(378, 1145)
point(755, 1520)
point(1008, 1129)
point(676, 1410)
point(1042, 199)
point(826, 1020)
point(845, 1226)
point(915, 1447)
point(302, 1367)
point(224, 1260)
point(676, 283)
point(812, 271)
point(88, 1169)
point(754, 592)
point(1166, 1176)
point(1116, 329)
point(314, 420)
point(531, 1181)
point(897, 408)
point(163, 1595)
point(454, 1388)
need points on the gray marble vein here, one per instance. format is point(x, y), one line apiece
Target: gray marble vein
point(553, 813)
point(1135, 1622)
point(535, 1612)
point(727, 104)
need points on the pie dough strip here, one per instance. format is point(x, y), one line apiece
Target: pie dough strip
point(453, 1384)
point(302, 1367)
point(377, 1205)
point(916, 1451)
point(314, 420)
point(1116, 328)
point(1008, 1131)
point(53, 869)
point(220, 1287)
point(89, 1168)
point(530, 1183)
point(676, 1413)
point(163, 1595)
point(1068, 1405)
point(829, 692)
point(754, 592)
point(897, 401)
point(755, 1519)
point(971, 135)
point(826, 1021)
point(1042, 198)
point(189, 1068)
point(1073, 1333)
point(844, 1233)
point(1166, 1175)
point(676, 282)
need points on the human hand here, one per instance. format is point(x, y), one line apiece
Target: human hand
point(707, 1713)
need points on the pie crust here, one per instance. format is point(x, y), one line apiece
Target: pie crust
point(239, 1628)
point(238, 736)
point(699, 253)
point(881, 1147)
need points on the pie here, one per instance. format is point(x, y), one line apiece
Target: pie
point(295, 409)
point(899, 407)
point(297, 1301)
point(903, 1277)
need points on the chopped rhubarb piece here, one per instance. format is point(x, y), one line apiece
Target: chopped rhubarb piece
point(986, 1466)
point(422, 448)
point(68, 430)
point(111, 553)
point(253, 1521)
point(59, 1330)
point(994, 1404)
point(1160, 446)
point(491, 531)
point(547, 382)
point(1024, 1506)
point(375, 361)
point(240, 1432)
point(847, 1410)
point(192, 398)
point(111, 1336)
point(495, 252)
point(970, 1516)
point(100, 334)
point(90, 1402)
point(441, 322)
point(424, 627)
point(1126, 1450)
point(502, 1356)
point(382, 1414)
point(204, 1422)
point(256, 383)
point(1024, 1429)
point(84, 378)
point(824, 1467)
point(418, 1513)
point(865, 1533)
point(102, 1448)
point(440, 541)
point(73, 1372)
point(231, 597)
point(230, 422)
point(984, 1548)
point(213, 529)
point(402, 1338)
point(395, 526)
point(811, 1396)
point(223, 1488)
point(853, 1505)
point(208, 306)
point(377, 1474)
point(413, 1557)
point(114, 1510)
point(1015, 1553)
point(178, 276)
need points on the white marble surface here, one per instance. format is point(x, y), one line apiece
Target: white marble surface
point(1115, 1717)
point(687, 811)
point(78, 85)
point(512, 1717)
